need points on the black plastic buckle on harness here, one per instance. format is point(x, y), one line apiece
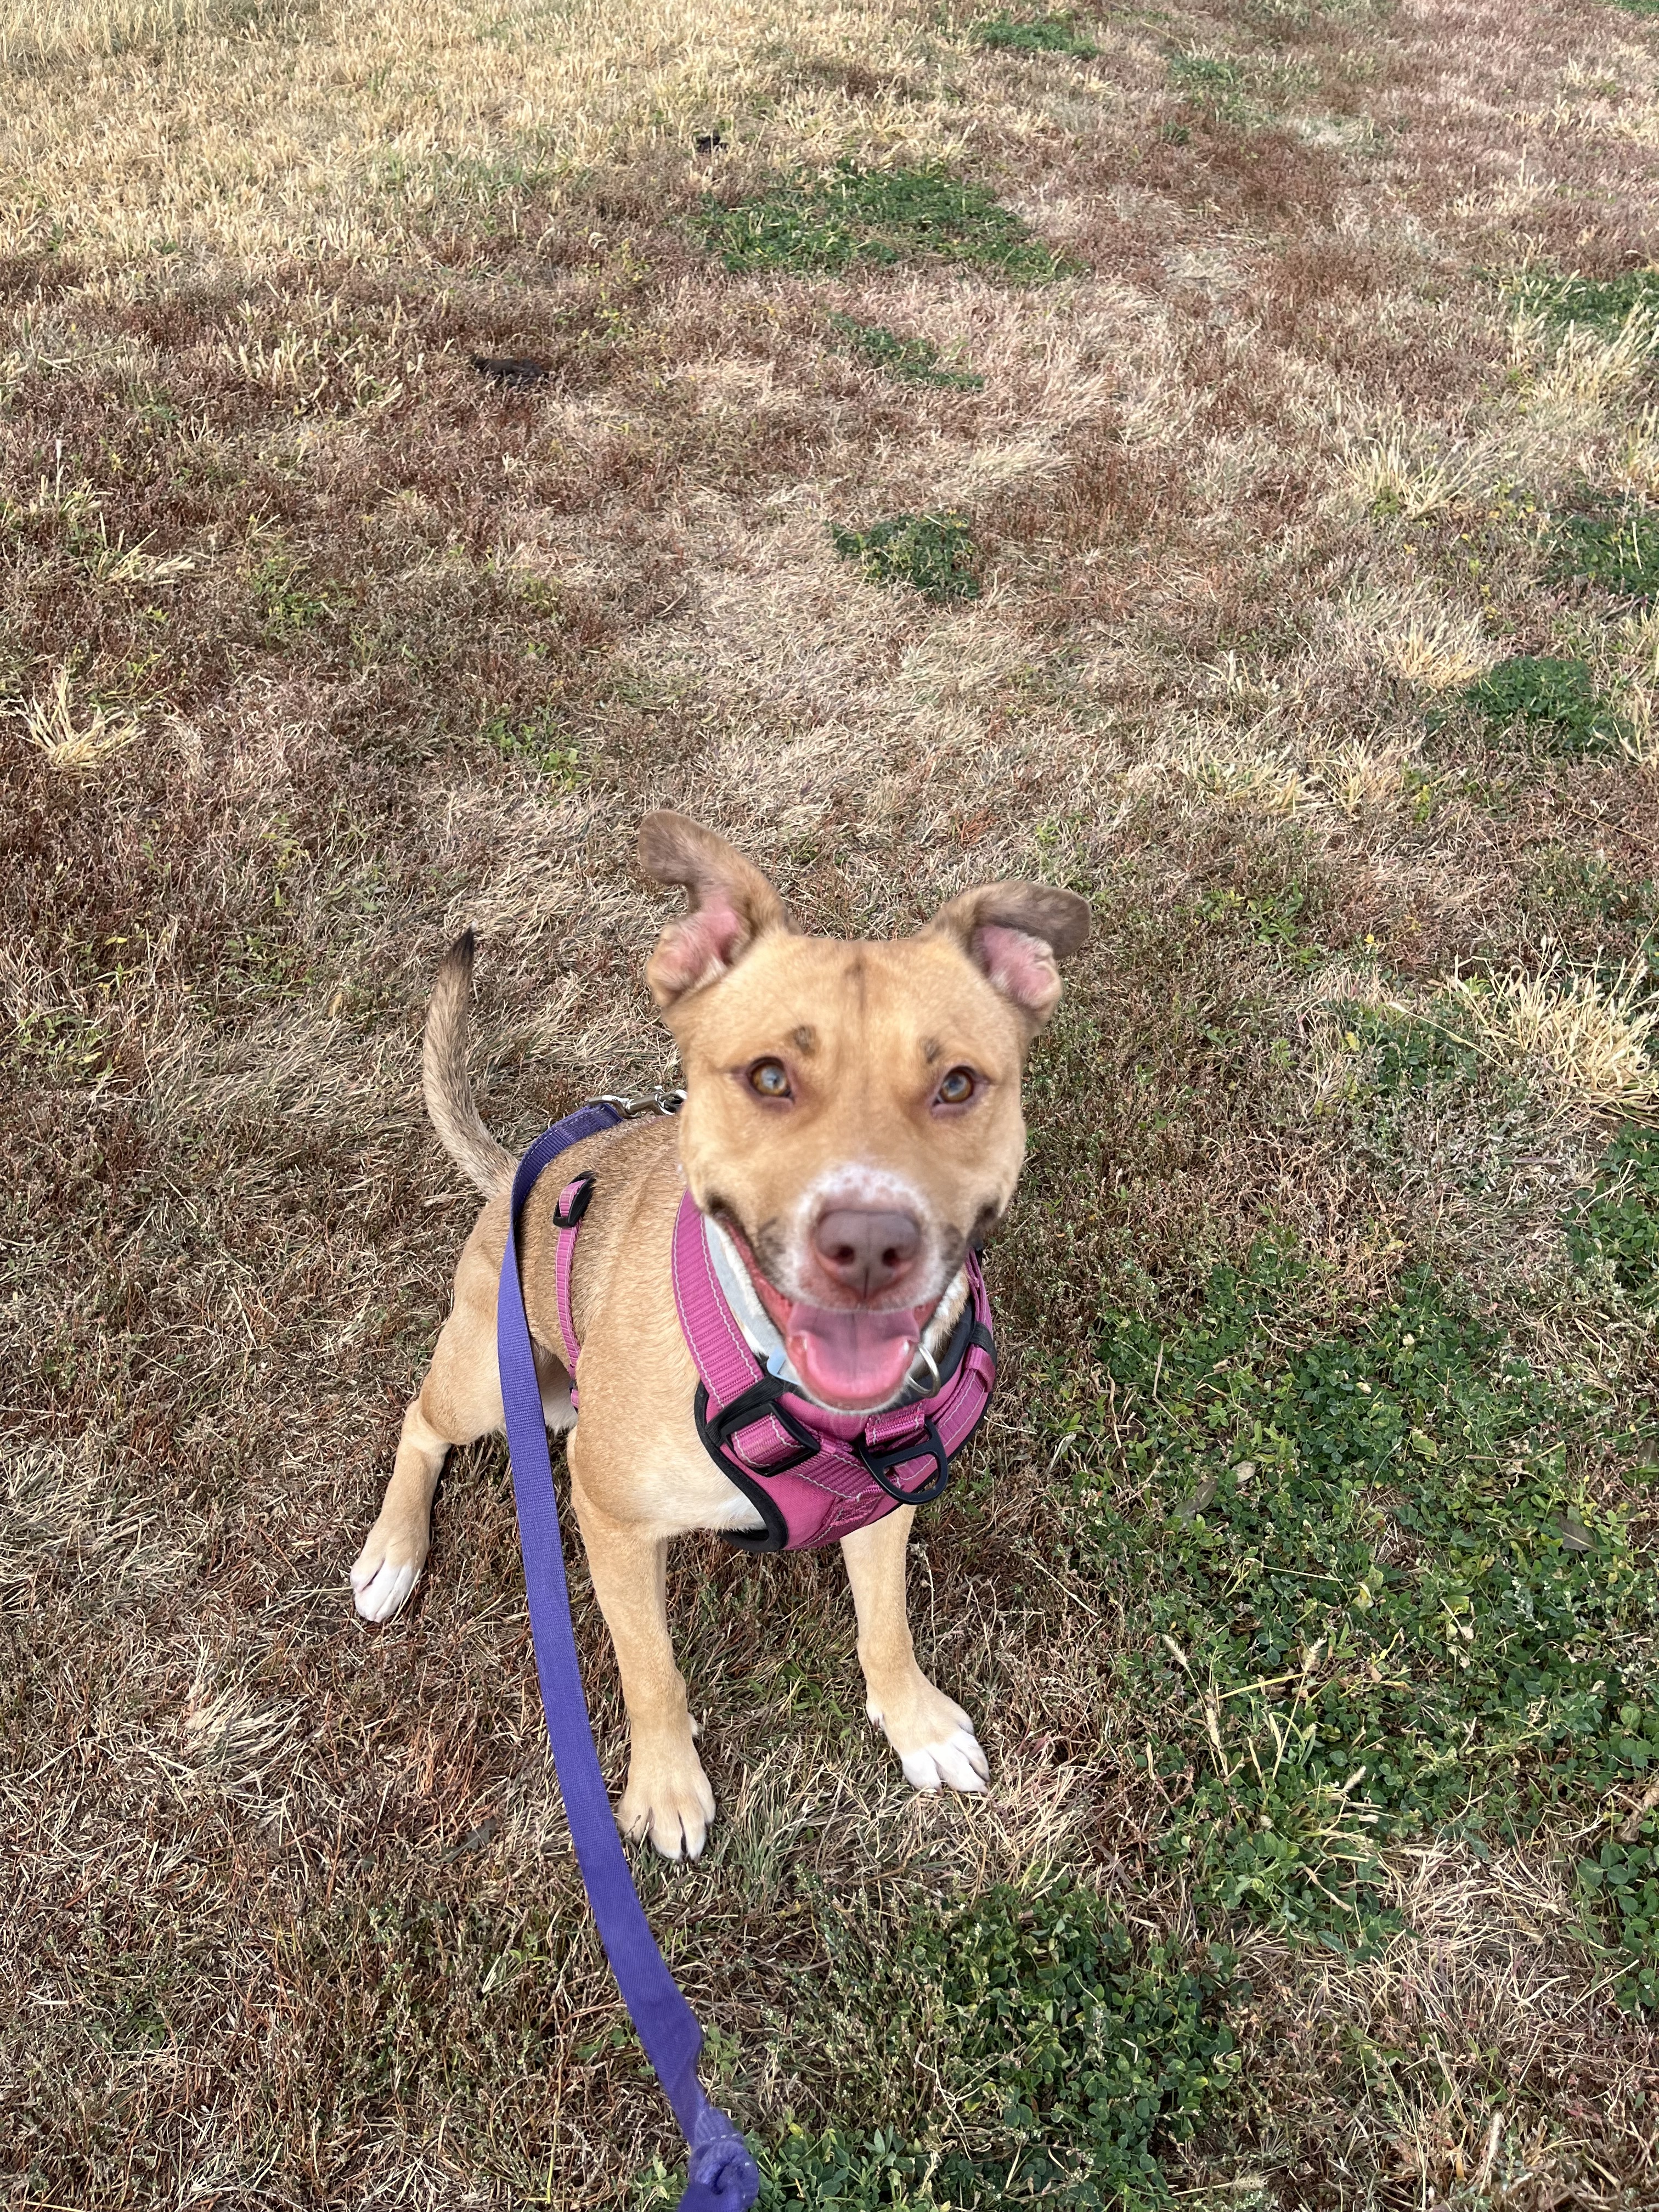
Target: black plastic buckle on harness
point(761, 1399)
point(879, 1463)
point(579, 1198)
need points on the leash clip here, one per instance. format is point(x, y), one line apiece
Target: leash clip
point(659, 1102)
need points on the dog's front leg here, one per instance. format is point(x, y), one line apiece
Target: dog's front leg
point(932, 1734)
point(668, 1796)
point(459, 1402)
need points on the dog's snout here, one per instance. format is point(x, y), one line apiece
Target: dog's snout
point(867, 1248)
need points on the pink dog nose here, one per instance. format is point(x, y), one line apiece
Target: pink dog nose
point(866, 1249)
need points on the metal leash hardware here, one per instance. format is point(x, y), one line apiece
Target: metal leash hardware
point(661, 1100)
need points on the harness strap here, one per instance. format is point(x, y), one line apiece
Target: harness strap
point(728, 1367)
point(723, 2177)
point(568, 1219)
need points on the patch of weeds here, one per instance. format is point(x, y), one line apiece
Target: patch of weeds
point(1208, 74)
point(1554, 701)
point(1618, 549)
point(1380, 1601)
point(1033, 34)
point(260, 965)
point(1213, 82)
point(155, 412)
point(1623, 1881)
point(852, 215)
point(1064, 2058)
point(65, 1045)
point(1638, 7)
point(1403, 1053)
point(289, 603)
point(933, 552)
point(1596, 889)
point(1604, 304)
point(915, 360)
point(536, 739)
point(1275, 921)
point(1613, 1233)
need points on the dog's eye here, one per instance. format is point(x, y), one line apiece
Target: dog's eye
point(958, 1087)
point(770, 1079)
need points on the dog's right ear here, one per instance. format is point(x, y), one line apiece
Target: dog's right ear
point(731, 905)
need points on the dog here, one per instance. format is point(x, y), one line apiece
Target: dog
point(851, 1133)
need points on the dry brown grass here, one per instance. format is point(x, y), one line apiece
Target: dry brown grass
point(76, 738)
point(56, 30)
point(1590, 1041)
point(302, 625)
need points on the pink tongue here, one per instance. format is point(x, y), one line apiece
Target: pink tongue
point(851, 1359)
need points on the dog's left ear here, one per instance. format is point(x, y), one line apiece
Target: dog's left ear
point(1014, 932)
point(731, 905)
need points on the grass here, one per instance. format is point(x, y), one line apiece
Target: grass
point(30, 30)
point(1590, 1035)
point(1555, 702)
point(1301, 1584)
point(1034, 34)
point(932, 553)
point(914, 361)
point(1583, 1038)
point(1073, 2057)
point(1607, 305)
point(1376, 1567)
point(1617, 551)
point(854, 217)
point(75, 737)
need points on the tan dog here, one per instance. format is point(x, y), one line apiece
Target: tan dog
point(852, 1122)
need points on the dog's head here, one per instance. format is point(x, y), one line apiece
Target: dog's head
point(852, 1116)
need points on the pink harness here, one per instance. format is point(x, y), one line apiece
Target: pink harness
point(813, 1476)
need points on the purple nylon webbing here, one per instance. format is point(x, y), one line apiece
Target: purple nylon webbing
point(723, 2177)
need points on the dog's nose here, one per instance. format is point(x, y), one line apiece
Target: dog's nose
point(867, 1248)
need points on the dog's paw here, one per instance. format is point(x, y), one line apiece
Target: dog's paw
point(387, 1568)
point(934, 1740)
point(667, 1798)
point(957, 1763)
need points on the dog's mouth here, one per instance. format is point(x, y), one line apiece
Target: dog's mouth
point(852, 1358)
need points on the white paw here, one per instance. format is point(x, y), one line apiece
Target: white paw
point(383, 1577)
point(957, 1763)
point(667, 1798)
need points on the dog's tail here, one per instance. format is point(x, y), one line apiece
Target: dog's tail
point(448, 1084)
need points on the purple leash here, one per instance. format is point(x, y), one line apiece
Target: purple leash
point(723, 2177)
